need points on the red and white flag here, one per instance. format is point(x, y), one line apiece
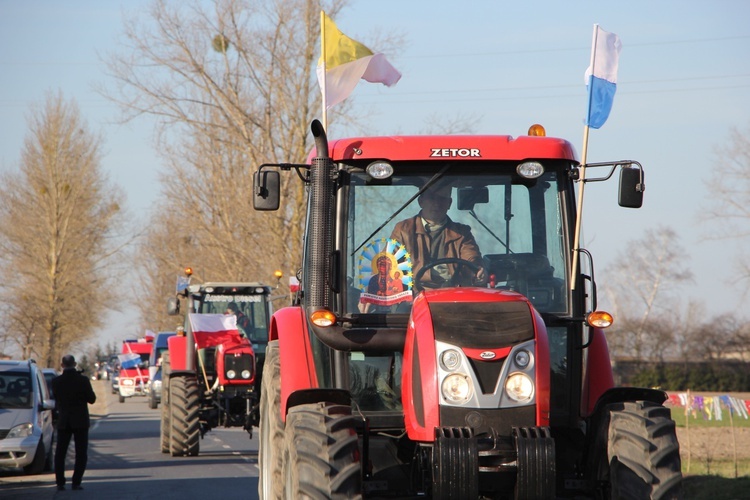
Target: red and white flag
point(214, 329)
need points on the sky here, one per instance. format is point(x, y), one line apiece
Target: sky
point(683, 84)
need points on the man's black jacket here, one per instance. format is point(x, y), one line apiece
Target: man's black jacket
point(73, 393)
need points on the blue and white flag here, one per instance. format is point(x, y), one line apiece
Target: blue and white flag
point(182, 283)
point(601, 76)
point(129, 360)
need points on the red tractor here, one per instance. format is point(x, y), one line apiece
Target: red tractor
point(208, 377)
point(475, 368)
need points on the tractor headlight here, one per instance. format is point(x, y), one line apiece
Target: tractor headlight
point(245, 374)
point(450, 360)
point(530, 169)
point(522, 359)
point(519, 387)
point(231, 374)
point(456, 388)
point(379, 169)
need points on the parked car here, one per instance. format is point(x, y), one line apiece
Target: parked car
point(49, 374)
point(26, 428)
point(154, 393)
point(153, 389)
point(115, 379)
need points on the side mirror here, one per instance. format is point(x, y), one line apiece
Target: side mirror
point(470, 196)
point(631, 186)
point(47, 404)
point(173, 306)
point(266, 189)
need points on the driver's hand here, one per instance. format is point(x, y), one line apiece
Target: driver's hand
point(482, 275)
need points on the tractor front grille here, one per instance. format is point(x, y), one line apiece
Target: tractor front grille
point(483, 324)
point(239, 363)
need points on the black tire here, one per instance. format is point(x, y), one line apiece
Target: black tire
point(643, 453)
point(184, 429)
point(40, 457)
point(271, 427)
point(152, 399)
point(165, 412)
point(121, 398)
point(49, 464)
point(321, 453)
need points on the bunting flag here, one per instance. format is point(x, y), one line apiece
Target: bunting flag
point(345, 61)
point(711, 407)
point(601, 76)
point(214, 329)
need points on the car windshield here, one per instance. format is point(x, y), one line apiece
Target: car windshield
point(510, 226)
point(15, 390)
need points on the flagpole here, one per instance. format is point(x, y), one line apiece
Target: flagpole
point(323, 59)
point(582, 178)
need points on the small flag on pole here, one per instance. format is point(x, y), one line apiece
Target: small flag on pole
point(601, 76)
point(345, 61)
point(214, 329)
point(182, 283)
point(129, 360)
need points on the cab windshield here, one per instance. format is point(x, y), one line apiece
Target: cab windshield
point(250, 310)
point(511, 230)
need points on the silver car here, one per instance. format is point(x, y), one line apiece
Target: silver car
point(26, 427)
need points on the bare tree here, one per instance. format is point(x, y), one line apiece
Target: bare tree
point(728, 211)
point(233, 87)
point(59, 219)
point(651, 270)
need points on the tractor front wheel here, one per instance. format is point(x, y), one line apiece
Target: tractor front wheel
point(642, 452)
point(271, 426)
point(165, 406)
point(184, 429)
point(321, 452)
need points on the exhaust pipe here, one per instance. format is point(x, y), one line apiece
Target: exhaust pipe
point(320, 231)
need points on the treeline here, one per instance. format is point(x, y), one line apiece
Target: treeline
point(713, 376)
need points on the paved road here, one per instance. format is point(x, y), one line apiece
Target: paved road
point(125, 461)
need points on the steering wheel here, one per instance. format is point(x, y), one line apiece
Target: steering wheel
point(453, 281)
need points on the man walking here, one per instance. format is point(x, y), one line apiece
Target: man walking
point(73, 392)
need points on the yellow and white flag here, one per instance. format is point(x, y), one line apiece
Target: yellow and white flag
point(345, 61)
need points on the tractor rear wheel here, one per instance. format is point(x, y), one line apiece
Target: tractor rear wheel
point(321, 452)
point(271, 426)
point(643, 454)
point(184, 428)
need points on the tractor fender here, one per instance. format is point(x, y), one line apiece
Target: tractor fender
point(542, 370)
point(177, 347)
point(598, 376)
point(289, 326)
point(420, 385)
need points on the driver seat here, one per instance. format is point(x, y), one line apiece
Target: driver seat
point(529, 274)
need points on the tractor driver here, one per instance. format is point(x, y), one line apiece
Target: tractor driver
point(243, 322)
point(432, 235)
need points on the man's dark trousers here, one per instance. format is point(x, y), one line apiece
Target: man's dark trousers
point(81, 437)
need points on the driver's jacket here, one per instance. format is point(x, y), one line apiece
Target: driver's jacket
point(458, 242)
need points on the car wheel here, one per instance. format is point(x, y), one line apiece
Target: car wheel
point(49, 462)
point(37, 465)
